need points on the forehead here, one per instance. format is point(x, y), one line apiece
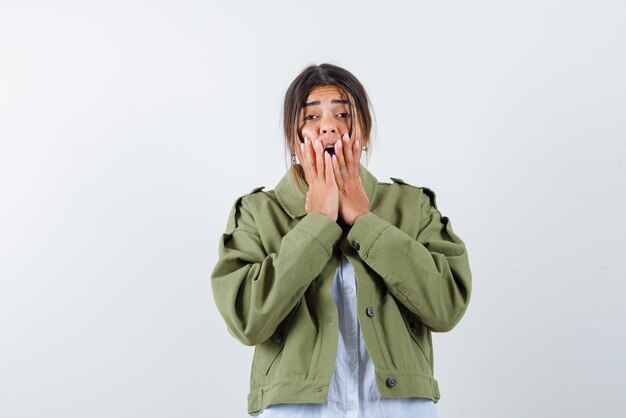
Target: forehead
point(323, 93)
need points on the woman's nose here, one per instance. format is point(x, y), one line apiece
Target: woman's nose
point(328, 125)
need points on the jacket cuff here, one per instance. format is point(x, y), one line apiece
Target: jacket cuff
point(326, 231)
point(365, 231)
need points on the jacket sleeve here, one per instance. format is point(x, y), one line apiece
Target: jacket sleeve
point(429, 273)
point(254, 289)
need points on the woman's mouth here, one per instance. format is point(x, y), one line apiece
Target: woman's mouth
point(331, 150)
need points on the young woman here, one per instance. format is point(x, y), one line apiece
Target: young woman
point(338, 279)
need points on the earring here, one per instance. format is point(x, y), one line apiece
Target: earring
point(293, 157)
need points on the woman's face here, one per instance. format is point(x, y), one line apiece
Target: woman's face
point(325, 116)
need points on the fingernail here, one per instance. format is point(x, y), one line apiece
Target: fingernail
point(346, 136)
point(306, 140)
point(318, 144)
point(302, 147)
point(338, 144)
point(356, 144)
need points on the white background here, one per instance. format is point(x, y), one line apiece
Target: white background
point(128, 129)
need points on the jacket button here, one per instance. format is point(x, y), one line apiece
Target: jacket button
point(355, 245)
point(412, 327)
point(391, 382)
point(370, 312)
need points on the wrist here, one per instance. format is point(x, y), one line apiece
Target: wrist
point(359, 216)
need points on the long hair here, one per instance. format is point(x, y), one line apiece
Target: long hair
point(295, 98)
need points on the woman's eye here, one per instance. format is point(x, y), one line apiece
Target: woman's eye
point(344, 115)
point(309, 117)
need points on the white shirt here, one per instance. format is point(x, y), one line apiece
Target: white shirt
point(353, 392)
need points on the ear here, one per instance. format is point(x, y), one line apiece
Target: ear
point(295, 147)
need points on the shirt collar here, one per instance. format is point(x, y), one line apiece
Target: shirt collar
point(292, 200)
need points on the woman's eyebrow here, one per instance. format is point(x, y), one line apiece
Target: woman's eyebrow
point(333, 101)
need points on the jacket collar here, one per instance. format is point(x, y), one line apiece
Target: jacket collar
point(292, 200)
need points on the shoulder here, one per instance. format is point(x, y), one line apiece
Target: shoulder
point(259, 197)
point(258, 206)
point(400, 189)
point(253, 206)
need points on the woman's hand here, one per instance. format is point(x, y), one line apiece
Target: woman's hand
point(353, 201)
point(323, 194)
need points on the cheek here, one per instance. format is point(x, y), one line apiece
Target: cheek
point(346, 127)
point(309, 132)
point(357, 131)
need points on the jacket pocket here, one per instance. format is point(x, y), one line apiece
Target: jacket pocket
point(418, 333)
point(266, 353)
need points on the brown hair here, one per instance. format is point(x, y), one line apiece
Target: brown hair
point(296, 95)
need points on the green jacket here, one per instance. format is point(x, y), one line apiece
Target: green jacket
point(272, 284)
